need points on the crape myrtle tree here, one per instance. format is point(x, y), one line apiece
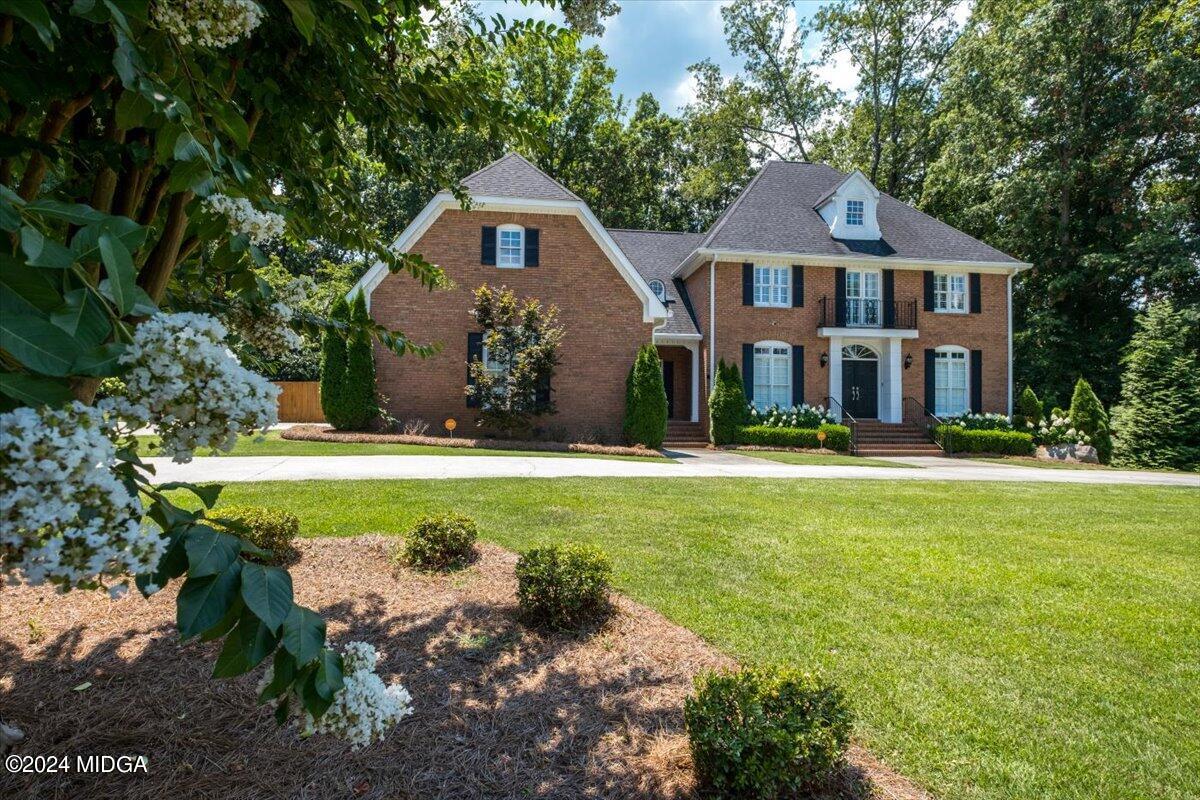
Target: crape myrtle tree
point(150, 150)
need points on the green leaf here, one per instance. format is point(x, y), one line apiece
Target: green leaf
point(75, 213)
point(36, 14)
point(132, 110)
point(202, 602)
point(268, 593)
point(207, 492)
point(231, 121)
point(231, 618)
point(188, 149)
point(211, 552)
point(83, 316)
point(102, 361)
point(303, 16)
point(193, 175)
point(37, 343)
point(283, 673)
point(42, 252)
point(303, 634)
point(86, 242)
point(245, 647)
point(329, 674)
point(31, 390)
point(24, 289)
point(121, 277)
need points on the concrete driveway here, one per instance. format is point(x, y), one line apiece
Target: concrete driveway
point(688, 464)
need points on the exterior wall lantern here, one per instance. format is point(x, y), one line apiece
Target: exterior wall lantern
point(908, 361)
point(825, 359)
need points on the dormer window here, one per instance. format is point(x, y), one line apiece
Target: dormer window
point(660, 291)
point(854, 212)
point(510, 250)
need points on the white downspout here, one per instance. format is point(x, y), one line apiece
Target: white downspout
point(1011, 275)
point(712, 322)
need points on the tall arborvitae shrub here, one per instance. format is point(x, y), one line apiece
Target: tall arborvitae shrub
point(358, 394)
point(726, 405)
point(1029, 410)
point(1157, 422)
point(1088, 415)
point(333, 367)
point(646, 400)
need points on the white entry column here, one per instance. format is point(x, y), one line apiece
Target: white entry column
point(895, 381)
point(835, 374)
point(695, 348)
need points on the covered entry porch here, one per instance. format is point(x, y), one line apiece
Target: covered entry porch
point(866, 376)
point(681, 376)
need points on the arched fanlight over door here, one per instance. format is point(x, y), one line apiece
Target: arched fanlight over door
point(859, 352)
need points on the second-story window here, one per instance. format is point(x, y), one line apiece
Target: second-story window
point(773, 286)
point(660, 290)
point(950, 293)
point(510, 246)
point(854, 212)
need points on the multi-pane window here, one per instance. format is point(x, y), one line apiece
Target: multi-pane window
point(772, 286)
point(510, 247)
point(950, 383)
point(862, 297)
point(659, 289)
point(854, 212)
point(490, 364)
point(949, 292)
point(772, 375)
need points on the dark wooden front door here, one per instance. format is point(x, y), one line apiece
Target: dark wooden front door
point(860, 388)
point(669, 383)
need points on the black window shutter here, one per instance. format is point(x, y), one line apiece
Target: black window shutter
point(977, 381)
point(889, 298)
point(839, 297)
point(747, 284)
point(532, 246)
point(474, 353)
point(487, 245)
point(542, 398)
point(928, 290)
point(797, 374)
point(930, 385)
point(748, 371)
point(797, 286)
point(976, 291)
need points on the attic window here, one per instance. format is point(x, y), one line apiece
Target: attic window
point(659, 290)
point(854, 212)
point(511, 246)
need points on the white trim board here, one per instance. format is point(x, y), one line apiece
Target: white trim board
point(697, 258)
point(653, 310)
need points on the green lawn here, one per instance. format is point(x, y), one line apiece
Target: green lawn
point(819, 459)
point(1023, 461)
point(273, 445)
point(997, 640)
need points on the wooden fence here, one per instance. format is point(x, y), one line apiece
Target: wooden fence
point(300, 401)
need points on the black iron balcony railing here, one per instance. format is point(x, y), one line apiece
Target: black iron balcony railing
point(857, 312)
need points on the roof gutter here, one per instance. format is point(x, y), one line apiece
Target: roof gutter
point(697, 258)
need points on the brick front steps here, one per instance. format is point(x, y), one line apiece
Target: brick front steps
point(876, 439)
point(681, 433)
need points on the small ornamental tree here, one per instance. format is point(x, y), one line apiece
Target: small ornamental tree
point(726, 405)
point(521, 339)
point(358, 392)
point(646, 400)
point(1029, 412)
point(1088, 416)
point(333, 367)
point(1157, 422)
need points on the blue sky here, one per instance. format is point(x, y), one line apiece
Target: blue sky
point(651, 43)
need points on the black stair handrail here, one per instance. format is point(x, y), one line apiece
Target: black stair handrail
point(931, 422)
point(853, 426)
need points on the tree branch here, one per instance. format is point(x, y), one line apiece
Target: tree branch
point(156, 273)
point(58, 116)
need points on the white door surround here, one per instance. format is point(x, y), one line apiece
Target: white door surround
point(891, 373)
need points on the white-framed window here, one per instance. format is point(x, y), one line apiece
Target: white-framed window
point(493, 366)
point(773, 286)
point(854, 212)
point(863, 288)
point(659, 289)
point(772, 374)
point(949, 293)
point(510, 246)
point(950, 382)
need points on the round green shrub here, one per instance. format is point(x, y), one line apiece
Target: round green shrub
point(271, 529)
point(765, 733)
point(563, 586)
point(440, 542)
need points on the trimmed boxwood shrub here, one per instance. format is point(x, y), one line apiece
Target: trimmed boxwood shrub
point(837, 437)
point(958, 440)
point(271, 529)
point(440, 542)
point(563, 586)
point(765, 733)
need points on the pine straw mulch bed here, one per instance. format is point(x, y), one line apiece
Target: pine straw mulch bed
point(320, 433)
point(501, 710)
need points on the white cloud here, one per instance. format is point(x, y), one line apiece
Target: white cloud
point(839, 72)
point(684, 92)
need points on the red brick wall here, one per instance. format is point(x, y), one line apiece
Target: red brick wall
point(600, 313)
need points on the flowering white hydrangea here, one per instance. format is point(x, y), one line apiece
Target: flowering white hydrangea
point(801, 416)
point(365, 709)
point(259, 226)
point(1060, 430)
point(269, 330)
point(208, 23)
point(184, 380)
point(982, 422)
point(66, 516)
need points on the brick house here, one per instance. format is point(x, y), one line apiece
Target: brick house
point(823, 289)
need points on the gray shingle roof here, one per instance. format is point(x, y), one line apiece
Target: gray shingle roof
point(775, 213)
point(655, 254)
point(513, 176)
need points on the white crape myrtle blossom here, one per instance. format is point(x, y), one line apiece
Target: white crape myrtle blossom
point(244, 218)
point(182, 379)
point(208, 23)
point(67, 518)
point(365, 709)
point(269, 329)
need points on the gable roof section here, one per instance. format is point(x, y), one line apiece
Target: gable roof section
point(777, 213)
point(655, 254)
point(514, 176)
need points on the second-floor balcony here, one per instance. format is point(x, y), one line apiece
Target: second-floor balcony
point(863, 312)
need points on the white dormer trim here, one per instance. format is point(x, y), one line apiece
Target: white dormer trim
point(653, 310)
point(833, 209)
